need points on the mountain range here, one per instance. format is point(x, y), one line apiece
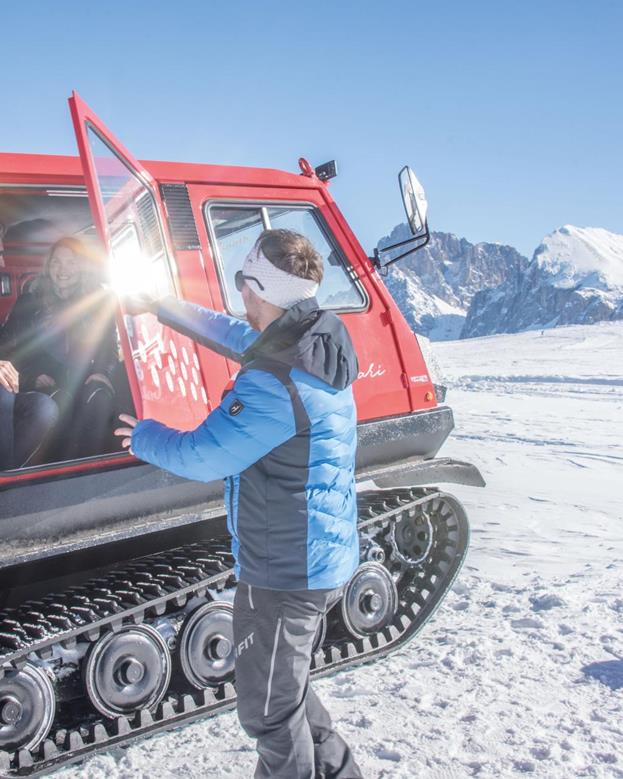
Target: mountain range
point(455, 289)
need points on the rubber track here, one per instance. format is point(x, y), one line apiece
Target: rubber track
point(162, 583)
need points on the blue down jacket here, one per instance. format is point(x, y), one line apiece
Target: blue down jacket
point(284, 438)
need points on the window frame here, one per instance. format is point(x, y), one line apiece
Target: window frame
point(262, 206)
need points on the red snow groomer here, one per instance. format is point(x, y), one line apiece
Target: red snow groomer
point(115, 577)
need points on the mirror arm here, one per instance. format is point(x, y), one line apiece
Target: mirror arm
point(403, 243)
point(377, 258)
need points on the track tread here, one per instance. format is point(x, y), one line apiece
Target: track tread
point(163, 583)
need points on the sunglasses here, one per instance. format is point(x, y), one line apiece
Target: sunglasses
point(240, 279)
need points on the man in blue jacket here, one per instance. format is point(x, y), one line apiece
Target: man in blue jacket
point(284, 438)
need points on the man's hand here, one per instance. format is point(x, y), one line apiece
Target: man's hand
point(9, 377)
point(135, 305)
point(126, 432)
point(45, 383)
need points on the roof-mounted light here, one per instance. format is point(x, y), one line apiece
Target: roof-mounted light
point(324, 172)
point(327, 171)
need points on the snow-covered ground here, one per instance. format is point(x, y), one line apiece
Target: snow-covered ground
point(521, 670)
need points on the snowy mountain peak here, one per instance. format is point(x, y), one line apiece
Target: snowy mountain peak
point(453, 288)
point(587, 257)
point(575, 277)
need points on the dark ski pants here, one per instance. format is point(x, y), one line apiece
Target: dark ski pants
point(26, 420)
point(86, 422)
point(274, 633)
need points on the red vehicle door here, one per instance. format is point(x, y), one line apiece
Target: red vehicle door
point(162, 365)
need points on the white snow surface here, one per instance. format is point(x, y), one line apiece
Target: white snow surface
point(520, 672)
point(589, 256)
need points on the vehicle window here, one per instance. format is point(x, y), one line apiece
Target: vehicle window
point(139, 261)
point(236, 228)
point(338, 289)
point(235, 231)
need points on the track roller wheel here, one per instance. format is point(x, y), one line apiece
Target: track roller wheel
point(411, 538)
point(128, 670)
point(369, 601)
point(207, 645)
point(27, 707)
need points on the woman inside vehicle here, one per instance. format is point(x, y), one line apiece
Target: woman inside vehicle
point(26, 418)
point(61, 338)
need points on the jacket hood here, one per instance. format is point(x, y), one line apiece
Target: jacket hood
point(312, 340)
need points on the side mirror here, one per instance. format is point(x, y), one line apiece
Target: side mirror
point(416, 207)
point(414, 199)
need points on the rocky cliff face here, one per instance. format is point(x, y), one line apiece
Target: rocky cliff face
point(575, 277)
point(435, 286)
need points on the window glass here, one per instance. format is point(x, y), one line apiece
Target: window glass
point(337, 289)
point(236, 228)
point(139, 262)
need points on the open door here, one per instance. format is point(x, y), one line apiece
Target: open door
point(162, 366)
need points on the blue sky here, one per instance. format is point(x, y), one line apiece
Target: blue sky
point(510, 113)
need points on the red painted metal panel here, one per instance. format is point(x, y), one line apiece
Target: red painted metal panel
point(414, 376)
point(59, 169)
point(65, 469)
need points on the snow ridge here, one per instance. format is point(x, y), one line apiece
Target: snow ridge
point(575, 277)
point(586, 256)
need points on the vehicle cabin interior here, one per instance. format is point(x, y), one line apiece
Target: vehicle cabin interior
point(57, 320)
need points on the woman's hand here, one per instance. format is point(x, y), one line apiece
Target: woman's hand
point(9, 377)
point(102, 380)
point(126, 432)
point(44, 383)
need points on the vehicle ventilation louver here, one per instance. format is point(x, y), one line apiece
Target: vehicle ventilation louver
point(181, 220)
point(150, 229)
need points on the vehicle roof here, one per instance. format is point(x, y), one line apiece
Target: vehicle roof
point(20, 168)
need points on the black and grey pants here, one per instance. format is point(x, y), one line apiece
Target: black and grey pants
point(274, 632)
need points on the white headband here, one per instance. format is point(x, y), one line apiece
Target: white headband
point(275, 286)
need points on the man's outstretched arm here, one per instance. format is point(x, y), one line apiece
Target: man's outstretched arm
point(222, 333)
point(254, 418)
